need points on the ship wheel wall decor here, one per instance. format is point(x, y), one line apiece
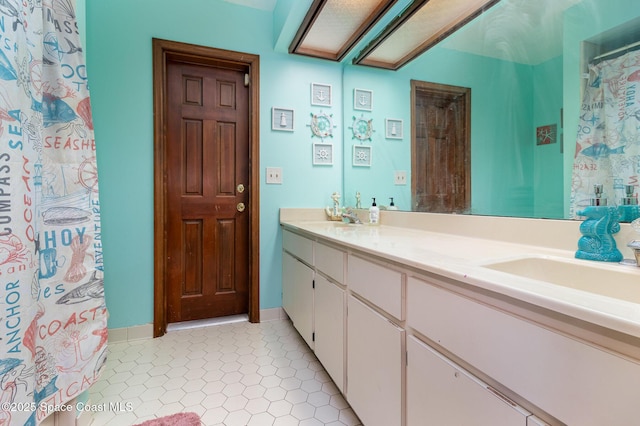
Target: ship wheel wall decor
point(322, 125)
point(362, 128)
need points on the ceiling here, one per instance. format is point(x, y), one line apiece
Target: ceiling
point(523, 31)
point(256, 4)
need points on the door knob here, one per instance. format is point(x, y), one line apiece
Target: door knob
point(240, 207)
point(240, 188)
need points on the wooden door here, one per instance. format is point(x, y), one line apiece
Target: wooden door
point(207, 185)
point(206, 139)
point(441, 181)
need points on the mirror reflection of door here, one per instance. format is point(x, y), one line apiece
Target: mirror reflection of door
point(440, 148)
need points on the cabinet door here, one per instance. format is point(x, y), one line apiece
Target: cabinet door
point(297, 295)
point(441, 393)
point(375, 365)
point(329, 307)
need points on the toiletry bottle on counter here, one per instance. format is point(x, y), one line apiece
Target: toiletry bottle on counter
point(392, 206)
point(374, 213)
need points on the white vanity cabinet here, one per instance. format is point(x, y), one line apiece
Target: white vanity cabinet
point(297, 283)
point(380, 285)
point(422, 337)
point(329, 308)
point(314, 297)
point(375, 342)
point(439, 392)
point(574, 381)
point(375, 365)
point(297, 295)
point(330, 311)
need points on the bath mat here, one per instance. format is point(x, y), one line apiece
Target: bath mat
point(180, 419)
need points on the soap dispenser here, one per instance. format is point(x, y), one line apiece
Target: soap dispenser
point(374, 213)
point(628, 208)
point(392, 205)
point(598, 200)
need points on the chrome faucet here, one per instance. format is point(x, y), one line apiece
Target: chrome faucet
point(635, 246)
point(350, 217)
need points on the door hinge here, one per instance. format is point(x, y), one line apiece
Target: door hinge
point(406, 358)
point(313, 336)
point(313, 284)
point(247, 80)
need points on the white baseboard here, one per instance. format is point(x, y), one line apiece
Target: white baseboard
point(145, 331)
point(272, 314)
point(127, 334)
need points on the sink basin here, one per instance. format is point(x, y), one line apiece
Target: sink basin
point(611, 280)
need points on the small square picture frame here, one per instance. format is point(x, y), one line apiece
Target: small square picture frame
point(394, 128)
point(546, 135)
point(282, 119)
point(363, 99)
point(322, 154)
point(362, 155)
point(321, 94)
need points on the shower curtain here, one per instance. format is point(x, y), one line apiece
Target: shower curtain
point(608, 144)
point(53, 319)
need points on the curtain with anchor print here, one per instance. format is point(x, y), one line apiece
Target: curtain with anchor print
point(608, 144)
point(53, 319)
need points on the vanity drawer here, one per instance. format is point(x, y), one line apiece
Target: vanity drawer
point(378, 284)
point(527, 358)
point(300, 247)
point(440, 392)
point(330, 261)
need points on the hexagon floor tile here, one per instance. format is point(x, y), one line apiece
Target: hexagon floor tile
point(239, 373)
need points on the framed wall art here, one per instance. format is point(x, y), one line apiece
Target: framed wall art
point(321, 94)
point(362, 155)
point(322, 154)
point(546, 135)
point(282, 119)
point(394, 128)
point(363, 99)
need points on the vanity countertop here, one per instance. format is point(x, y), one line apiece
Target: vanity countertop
point(462, 258)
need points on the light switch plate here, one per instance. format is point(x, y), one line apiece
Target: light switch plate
point(400, 177)
point(274, 175)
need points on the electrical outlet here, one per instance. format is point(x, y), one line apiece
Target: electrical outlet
point(274, 175)
point(400, 177)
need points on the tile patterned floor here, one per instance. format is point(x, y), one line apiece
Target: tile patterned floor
point(232, 374)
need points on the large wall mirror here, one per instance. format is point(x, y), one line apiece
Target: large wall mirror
point(523, 62)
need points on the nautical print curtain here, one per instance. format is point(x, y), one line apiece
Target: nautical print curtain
point(53, 319)
point(608, 144)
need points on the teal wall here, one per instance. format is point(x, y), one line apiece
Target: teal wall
point(119, 34)
point(547, 159)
